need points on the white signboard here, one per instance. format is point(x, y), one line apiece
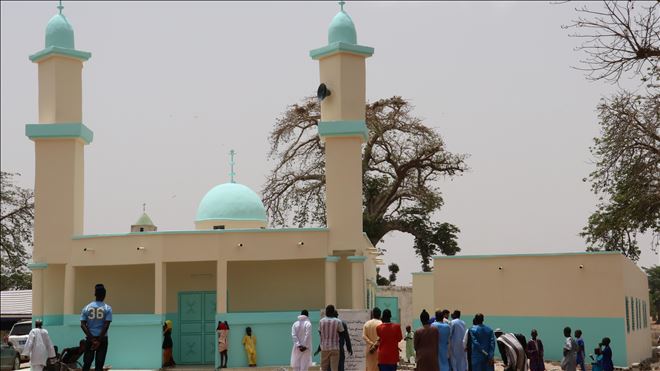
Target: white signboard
point(355, 320)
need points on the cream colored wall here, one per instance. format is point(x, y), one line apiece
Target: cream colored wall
point(60, 90)
point(130, 288)
point(344, 75)
point(275, 285)
point(422, 295)
point(230, 224)
point(548, 283)
point(59, 197)
point(344, 283)
point(343, 169)
point(196, 276)
point(53, 287)
point(635, 285)
point(195, 246)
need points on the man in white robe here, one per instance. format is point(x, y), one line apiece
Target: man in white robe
point(38, 347)
point(301, 334)
point(457, 357)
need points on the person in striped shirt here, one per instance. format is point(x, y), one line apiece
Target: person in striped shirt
point(330, 326)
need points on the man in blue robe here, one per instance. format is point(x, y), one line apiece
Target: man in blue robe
point(483, 345)
point(457, 358)
point(443, 341)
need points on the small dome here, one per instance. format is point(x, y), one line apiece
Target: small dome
point(144, 220)
point(59, 32)
point(342, 29)
point(231, 201)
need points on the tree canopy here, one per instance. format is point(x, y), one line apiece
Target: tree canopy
point(16, 219)
point(622, 39)
point(402, 162)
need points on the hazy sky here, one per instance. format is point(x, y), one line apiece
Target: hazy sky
point(173, 86)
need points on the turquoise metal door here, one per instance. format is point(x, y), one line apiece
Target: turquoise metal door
point(391, 303)
point(196, 326)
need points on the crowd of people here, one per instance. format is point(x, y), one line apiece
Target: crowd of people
point(440, 344)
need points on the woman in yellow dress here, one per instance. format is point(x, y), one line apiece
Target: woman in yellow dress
point(250, 344)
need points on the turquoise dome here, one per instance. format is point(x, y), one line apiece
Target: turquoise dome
point(231, 201)
point(342, 29)
point(59, 32)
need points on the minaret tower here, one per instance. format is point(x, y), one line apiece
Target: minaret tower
point(59, 140)
point(343, 129)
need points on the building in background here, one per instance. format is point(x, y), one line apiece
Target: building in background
point(602, 293)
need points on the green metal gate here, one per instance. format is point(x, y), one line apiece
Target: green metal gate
point(391, 303)
point(197, 345)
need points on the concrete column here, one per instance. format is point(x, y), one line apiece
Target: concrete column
point(357, 281)
point(331, 279)
point(69, 289)
point(37, 292)
point(160, 295)
point(221, 287)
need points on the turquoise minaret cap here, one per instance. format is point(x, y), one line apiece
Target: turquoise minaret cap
point(342, 28)
point(59, 39)
point(342, 37)
point(59, 31)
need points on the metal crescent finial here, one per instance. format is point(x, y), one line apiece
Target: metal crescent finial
point(231, 166)
point(341, 4)
point(60, 7)
point(144, 208)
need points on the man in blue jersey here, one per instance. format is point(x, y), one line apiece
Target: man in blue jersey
point(95, 320)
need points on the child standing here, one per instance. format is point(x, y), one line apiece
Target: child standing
point(250, 344)
point(410, 350)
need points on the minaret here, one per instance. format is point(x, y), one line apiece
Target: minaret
point(343, 129)
point(59, 139)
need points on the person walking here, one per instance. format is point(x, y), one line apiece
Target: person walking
point(426, 344)
point(581, 349)
point(223, 342)
point(95, 320)
point(535, 353)
point(168, 344)
point(443, 340)
point(569, 361)
point(371, 339)
point(301, 335)
point(38, 347)
point(389, 336)
point(410, 350)
point(482, 341)
point(457, 331)
point(329, 329)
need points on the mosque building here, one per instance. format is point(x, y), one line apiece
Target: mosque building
point(232, 266)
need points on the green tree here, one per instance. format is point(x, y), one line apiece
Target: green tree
point(16, 219)
point(387, 281)
point(402, 161)
point(654, 291)
point(622, 38)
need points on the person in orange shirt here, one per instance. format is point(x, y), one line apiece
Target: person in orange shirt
point(389, 336)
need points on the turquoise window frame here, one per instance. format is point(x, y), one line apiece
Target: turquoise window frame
point(627, 317)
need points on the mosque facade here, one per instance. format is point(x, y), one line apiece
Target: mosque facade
point(231, 267)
